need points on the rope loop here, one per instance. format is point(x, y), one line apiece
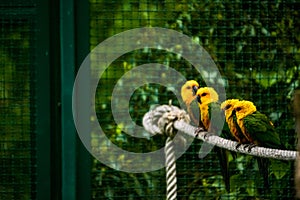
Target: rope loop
point(161, 120)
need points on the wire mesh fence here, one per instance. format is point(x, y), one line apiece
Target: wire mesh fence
point(255, 46)
point(17, 152)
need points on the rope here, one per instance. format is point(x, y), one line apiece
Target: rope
point(170, 170)
point(165, 116)
point(166, 119)
point(176, 120)
point(161, 118)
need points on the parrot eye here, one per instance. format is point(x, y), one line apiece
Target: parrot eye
point(238, 109)
point(203, 94)
point(188, 87)
point(227, 107)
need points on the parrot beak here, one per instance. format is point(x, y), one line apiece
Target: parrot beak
point(199, 99)
point(233, 112)
point(195, 88)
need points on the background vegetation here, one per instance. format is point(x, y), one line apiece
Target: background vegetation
point(16, 142)
point(255, 45)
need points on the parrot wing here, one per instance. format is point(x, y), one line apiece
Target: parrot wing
point(194, 113)
point(214, 109)
point(218, 120)
point(217, 127)
point(259, 127)
point(239, 130)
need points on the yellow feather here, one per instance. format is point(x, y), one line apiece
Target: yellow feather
point(207, 95)
point(187, 91)
point(205, 115)
point(188, 97)
point(243, 109)
point(210, 95)
point(228, 106)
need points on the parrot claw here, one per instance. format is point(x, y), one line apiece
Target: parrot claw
point(207, 134)
point(249, 146)
point(238, 145)
point(198, 130)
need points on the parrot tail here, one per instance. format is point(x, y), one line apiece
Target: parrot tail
point(224, 165)
point(263, 166)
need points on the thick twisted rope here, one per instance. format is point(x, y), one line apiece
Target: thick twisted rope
point(162, 120)
point(150, 122)
point(170, 170)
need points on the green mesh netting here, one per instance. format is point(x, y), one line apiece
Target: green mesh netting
point(255, 45)
point(17, 149)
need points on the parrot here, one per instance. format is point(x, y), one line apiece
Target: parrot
point(230, 117)
point(257, 130)
point(208, 103)
point(256, 127)
point(188, 95)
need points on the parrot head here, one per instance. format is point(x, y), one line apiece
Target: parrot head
point(244, 108)
point(228, 106)
point(188, 91)
point(206, 95)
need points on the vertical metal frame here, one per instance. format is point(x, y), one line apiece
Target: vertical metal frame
point(48, 101)
point(68, 133)
point(42, 99)
point(74, 40)
point(82, 32)
point(62, 42)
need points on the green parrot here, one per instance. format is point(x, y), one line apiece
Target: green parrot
point(208, 103)
point(188, 95)
point(256, 127)
point(257, 130)
point(230, 117)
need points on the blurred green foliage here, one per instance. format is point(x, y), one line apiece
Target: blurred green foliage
point(255, 45)
point(15, 138)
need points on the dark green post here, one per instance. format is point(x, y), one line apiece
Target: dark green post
point(82, 32)
point(74, 40)
point(68, 133)
point(42, 107)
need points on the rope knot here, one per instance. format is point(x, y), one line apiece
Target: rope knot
point(161, 119)
point(166, 122)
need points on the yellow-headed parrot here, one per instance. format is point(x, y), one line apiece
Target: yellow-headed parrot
point(188, 95)
point(230, 117)
point(257, 130)
point(208, 103)
point(256, 127)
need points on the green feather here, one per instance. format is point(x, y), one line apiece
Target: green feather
point(261, 131)
point(214, 109)
point(219, 118)
point(239, 130)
